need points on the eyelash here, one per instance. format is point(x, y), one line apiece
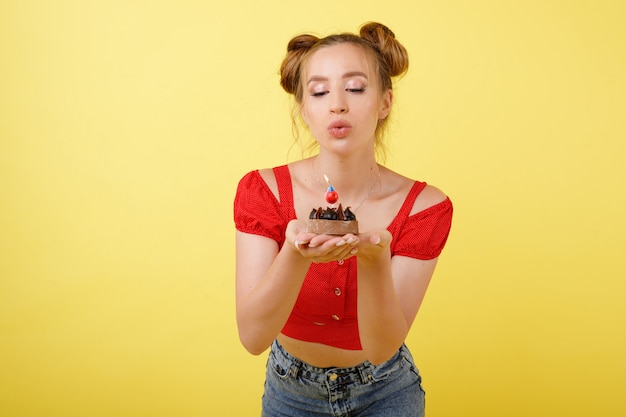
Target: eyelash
point(350, 90)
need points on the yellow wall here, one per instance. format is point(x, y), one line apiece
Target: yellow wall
point(125, 125)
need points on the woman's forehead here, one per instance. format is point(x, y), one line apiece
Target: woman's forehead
point(337, 61)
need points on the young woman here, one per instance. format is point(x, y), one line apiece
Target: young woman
point(336, 310)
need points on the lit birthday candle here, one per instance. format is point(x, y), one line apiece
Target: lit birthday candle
point(331, 194)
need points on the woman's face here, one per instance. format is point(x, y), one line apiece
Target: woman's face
point(342, 101)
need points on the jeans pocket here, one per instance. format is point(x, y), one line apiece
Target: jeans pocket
point(276, 368)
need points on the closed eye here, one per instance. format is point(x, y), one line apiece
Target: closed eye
point(319, 93)
point(355, 90)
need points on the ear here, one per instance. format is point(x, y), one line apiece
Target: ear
point(385, 105)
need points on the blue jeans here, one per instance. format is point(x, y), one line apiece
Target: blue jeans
point(296, 389)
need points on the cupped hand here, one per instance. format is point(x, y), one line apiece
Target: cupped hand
point(320, 248)
point(374, 244)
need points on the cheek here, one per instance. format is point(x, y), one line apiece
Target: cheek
point(309, 112)
point(373, 112)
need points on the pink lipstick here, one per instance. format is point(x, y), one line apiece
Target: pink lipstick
point(339, 129)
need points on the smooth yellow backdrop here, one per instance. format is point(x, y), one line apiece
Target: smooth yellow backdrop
point(125, 126)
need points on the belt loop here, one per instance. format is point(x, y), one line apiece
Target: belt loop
point(365, 372)
point(294, 369)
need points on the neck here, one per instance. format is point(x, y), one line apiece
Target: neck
point(354, 179)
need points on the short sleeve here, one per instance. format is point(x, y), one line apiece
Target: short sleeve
point(256, 210)
point(424, 234)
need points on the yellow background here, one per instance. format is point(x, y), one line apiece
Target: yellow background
point(125, 126)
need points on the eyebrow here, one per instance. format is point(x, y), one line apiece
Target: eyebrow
point(346, 75)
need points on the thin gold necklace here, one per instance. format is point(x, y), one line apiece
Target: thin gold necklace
point(367, 196)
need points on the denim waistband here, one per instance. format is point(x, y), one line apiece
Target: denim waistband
point(363, 373)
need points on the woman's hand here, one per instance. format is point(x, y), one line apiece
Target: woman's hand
point(320, 248)
point(374, 245)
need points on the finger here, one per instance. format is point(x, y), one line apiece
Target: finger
point(347, 252)
point(321, 240)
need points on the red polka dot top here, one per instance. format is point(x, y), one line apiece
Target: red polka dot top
point(326, 308)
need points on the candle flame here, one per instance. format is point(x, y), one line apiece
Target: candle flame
point(326, 178)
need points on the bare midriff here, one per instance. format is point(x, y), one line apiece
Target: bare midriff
point(319, 355)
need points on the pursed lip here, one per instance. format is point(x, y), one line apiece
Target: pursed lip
point(339, 128)
point(338, 124)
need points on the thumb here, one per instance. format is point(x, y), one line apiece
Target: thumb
point(380, 238)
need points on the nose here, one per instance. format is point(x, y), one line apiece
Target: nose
point(338, 105)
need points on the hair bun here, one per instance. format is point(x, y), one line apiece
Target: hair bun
point(290, 68)
point(301, 42)
point(384, 41)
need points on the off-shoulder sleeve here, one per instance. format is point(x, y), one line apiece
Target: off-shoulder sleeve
point(256, 209)
point(424, 234)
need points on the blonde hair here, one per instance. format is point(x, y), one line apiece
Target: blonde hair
point(375, 39)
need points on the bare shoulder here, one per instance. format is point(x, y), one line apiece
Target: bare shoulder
point(430, 196)
point(295, 171)
point(270, 179)
point(396, 189)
